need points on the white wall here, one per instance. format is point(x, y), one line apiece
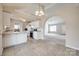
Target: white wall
point(70, 14)
point(35, 24)
point(72, 30)
point(1, 29)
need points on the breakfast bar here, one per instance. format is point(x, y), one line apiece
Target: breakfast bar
point(14, 38)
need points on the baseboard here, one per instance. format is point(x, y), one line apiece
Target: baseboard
point(72, 47)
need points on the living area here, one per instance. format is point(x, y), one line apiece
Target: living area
point(39, 29)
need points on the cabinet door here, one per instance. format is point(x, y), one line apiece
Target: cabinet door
point(35, 35)
point(21, 38)
point(6, 19)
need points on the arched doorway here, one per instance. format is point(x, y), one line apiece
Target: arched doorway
point(54, 28)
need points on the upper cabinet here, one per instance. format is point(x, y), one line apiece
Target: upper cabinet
point(6, 19)
point(16, 25)
point(10, 23)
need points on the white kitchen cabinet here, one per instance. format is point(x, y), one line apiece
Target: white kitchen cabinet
point(9, 39)
point(15, 38)
point(37, 35)
point(6, 19)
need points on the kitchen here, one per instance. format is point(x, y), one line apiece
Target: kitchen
point(15, 32)
point(18, 24)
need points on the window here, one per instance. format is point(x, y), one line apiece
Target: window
point(16, 26)
point(52, 28)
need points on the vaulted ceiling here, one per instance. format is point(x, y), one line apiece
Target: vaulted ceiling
point(25, 11)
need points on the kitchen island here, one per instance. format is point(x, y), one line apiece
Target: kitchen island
point(14, 38)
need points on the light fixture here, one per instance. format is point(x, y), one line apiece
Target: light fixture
point(22, 19)
point(40, 11)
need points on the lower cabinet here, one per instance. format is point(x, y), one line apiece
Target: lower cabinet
point(14, 39)
point(37, 35)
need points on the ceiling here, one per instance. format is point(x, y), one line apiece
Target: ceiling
point(25, 11)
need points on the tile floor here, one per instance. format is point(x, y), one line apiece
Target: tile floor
point(39, 48)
